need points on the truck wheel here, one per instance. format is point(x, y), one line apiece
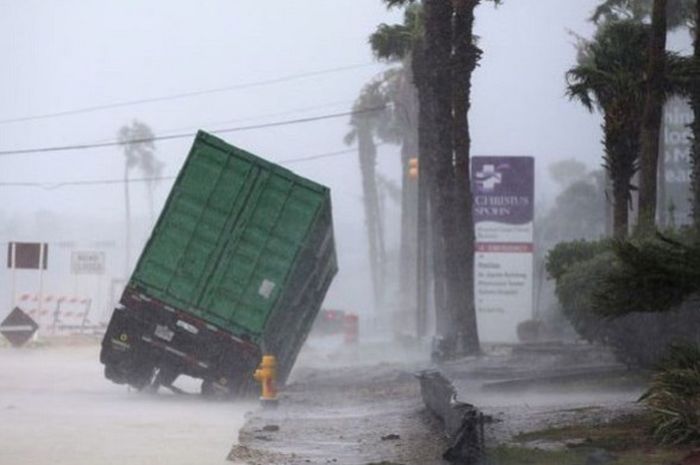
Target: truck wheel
point(141, 376)
point(114, 375)
point(207, 389)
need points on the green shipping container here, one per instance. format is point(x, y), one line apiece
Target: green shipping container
point(242, 246)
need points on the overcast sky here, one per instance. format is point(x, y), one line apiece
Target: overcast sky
point(73, 54)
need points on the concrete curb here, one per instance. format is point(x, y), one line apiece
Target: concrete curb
point(463, 423)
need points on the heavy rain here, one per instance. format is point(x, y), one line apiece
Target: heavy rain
point(356, 232)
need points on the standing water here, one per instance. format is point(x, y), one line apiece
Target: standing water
point(56, 407)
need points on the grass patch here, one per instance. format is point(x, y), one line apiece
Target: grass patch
point(628, 438)
point(520, 455)
point(619, 434)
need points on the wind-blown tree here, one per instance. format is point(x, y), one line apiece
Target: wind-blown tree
point(678, 13)
point(409, 42)
point(443, 58)
point(465, 57)
point(137, 141)
point(651, 118)
point(609, 77)
point(366, 125)
point(406, 42)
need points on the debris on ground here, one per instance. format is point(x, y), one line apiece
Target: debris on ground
point(556, 405)
point(343, 414)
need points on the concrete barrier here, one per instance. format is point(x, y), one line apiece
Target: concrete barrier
point(463, 423)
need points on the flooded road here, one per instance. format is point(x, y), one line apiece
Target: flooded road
point(56, 407)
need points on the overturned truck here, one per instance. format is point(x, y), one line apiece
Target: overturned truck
point(237, 265)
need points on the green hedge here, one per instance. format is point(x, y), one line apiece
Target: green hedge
point(584, 271)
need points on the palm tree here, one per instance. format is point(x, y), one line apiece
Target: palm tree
point(680, 13)
point(651, 118)
point(609, 77)
point(407, 42)
point(443, 57)
point(402, 43)
point(365, 127)
point(137, 141)
point(465, 57)
point(437, 16)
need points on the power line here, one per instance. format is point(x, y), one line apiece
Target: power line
point(208, 127)
point(62, 148)
point(293, 111)
point(92, 182)
point(87, 182)
point(183, 95)
point(316, 157)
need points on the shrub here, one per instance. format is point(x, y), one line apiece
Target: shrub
point(674, 396)
point(584, 272)
point(651, 274)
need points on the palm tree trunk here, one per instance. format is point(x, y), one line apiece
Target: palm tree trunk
point(695, 149)
point(621, 142)
point(651, 119)
point(466, 56)
point(127, 212)
point(620, 208)
point(408, 105)
point(408, 247)
point(438, 37)
point(426, 143)
point(368, 158)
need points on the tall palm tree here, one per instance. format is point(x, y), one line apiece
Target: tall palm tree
point(465, 57)
point(680, 13)
point(651, 118)
point(609, 77)
point(408, 41)
point(443, 58)
point(395, 44)
point(365, 127)
point(137, 141)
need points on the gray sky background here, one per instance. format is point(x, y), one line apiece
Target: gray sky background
point(78, 53)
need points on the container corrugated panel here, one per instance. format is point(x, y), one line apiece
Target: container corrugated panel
point(243, 244)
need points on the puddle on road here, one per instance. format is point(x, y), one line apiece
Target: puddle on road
point(56, 407)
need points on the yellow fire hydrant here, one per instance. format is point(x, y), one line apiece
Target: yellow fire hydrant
point(266, 375)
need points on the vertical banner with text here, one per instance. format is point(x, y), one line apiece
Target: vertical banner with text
point(504, 191)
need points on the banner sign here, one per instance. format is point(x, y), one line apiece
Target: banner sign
point(504, 192)
point(27, 255)
point(675, 151)
point(87, 262)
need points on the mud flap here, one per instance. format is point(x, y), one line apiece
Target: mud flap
point(123, 353)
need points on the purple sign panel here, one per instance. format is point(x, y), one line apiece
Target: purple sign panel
point(503, 189)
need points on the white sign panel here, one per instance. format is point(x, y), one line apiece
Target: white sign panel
point(87, 262)
point(503, 190)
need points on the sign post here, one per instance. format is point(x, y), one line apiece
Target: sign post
point(503, 191)
point(27, 256)
point(13, 267)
